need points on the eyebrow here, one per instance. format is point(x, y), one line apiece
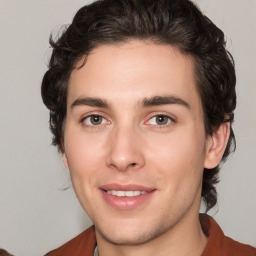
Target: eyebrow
point(92, 102)
point(164, 100)
point(147, 102)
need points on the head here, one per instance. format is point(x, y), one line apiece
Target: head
point(175, 23)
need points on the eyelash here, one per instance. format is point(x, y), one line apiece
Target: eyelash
point(159, 126)
point(170, 121)
point(83, 121)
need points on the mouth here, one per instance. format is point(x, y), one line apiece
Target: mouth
point(120, 193)
point(126, 197)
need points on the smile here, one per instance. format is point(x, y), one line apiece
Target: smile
point(126, 197)
point(119, 193)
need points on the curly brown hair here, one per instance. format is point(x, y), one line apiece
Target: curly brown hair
point(179, 23)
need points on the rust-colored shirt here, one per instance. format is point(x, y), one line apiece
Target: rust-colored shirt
point(218, 244)
point(4, 253)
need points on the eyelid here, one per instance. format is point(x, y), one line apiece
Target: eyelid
point(93, 113)
point(104, 121)
point(154, 115)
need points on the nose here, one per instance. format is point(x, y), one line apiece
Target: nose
point(125, 149)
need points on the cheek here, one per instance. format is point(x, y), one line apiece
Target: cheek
point(180, 170)
point(82, 151)
point(83, 160)
point(179, 159)
point(174, 149)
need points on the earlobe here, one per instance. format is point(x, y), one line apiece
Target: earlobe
point(216, 146)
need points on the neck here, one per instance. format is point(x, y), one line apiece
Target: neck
point(184, 238)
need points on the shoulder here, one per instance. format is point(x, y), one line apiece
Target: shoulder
point(83, 244)
point(232, 247)
point(221, 245)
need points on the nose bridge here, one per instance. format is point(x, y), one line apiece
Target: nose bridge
point(125, 151)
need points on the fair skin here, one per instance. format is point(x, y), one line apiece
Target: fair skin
point(136, 147)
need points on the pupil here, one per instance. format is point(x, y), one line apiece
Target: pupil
point(96, 120)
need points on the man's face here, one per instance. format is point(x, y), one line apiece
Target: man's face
point(134, 140)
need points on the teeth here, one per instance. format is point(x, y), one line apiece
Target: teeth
point(126, 193)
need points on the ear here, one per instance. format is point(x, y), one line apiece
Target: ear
point(64, 156)
point(216, 145)
point(65, 160)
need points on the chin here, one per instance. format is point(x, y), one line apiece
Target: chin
point(129, 234)
point(119, 238)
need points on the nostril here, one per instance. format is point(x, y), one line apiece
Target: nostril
point(133, 164)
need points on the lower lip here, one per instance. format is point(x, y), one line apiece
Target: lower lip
point(126, 203)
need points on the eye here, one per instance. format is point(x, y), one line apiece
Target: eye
point(160, 120)
point(94, 120)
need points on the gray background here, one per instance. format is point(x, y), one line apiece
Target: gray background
point(36, 214)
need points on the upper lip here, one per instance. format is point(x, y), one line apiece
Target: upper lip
point(127, 187)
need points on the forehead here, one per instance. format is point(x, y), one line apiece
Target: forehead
point(137, 70)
